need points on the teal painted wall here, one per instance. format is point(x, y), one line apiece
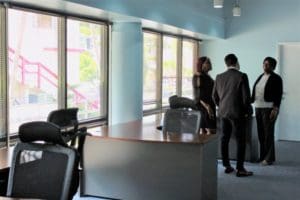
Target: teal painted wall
point(126, 73)
point(255, 34)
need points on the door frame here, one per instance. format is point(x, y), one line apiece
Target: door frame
point(279, 71)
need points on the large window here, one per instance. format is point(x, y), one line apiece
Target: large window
point(2, 77)
point(189, 55)
point(86, 72)
point(32, 67)
point(169, 63)
point(151, 71)
point(52, 62)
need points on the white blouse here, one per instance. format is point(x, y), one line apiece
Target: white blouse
point(259, 93)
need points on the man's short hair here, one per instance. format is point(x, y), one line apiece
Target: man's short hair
point(272, 62)
point(231, 60)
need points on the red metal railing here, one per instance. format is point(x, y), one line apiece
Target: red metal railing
point(44, 73)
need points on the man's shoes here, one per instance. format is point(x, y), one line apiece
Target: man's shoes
point(228, 170)
point(243, 173)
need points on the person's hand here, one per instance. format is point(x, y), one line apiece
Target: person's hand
point(274, 113)
point(210, 112)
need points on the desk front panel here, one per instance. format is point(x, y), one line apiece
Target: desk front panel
point(135, 170)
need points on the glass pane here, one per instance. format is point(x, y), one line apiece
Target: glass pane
point(85, 68)
point(2, 78)
point(151, 71)
point(33, 60)
point(169, 68)
point(188, 57)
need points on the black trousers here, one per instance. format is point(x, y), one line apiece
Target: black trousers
point(206, 121)
point(236, 126)
point(265, 130)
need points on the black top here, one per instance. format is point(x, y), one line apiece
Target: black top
point(203, 86)
point(273, 89)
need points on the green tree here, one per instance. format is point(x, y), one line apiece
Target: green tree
point(88, 67)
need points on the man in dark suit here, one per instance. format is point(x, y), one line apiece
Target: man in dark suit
point(231, 94)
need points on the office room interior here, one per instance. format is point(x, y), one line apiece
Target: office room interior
point(120, 61)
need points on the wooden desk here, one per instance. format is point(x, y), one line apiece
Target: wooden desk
point(134, 161)
point(5, 157)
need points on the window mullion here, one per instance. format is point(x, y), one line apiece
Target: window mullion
point(104, 70)
point(62, 63)
point(160, 70)
point(196, 53)
point(3, 75)
point(179, 67)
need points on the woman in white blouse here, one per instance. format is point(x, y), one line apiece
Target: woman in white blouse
point(267, 95)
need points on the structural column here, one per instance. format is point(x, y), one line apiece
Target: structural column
point(126, 73)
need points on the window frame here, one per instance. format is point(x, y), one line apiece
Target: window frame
point(62, 64)
point(104, 54)
point(3, 77)
point(180, 38)
point(158, 102)
point(196, 47)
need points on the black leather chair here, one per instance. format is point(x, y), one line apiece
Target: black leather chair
point(67, 120)
point(181, 121)
point(181, 118)
point(43, 166)
point(176, 102)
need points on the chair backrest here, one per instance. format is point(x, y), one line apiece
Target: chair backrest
point(181, 121)
point(176, 102)
point(43, 171)
point(64, 117)
point(67, 120)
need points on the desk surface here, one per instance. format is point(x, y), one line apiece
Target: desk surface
point(141, 162)
point(145, 131)
point(5, 157)
point(141, 130)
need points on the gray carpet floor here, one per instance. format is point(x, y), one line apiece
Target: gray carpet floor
point(280, 181)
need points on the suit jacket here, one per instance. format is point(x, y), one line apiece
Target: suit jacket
point(273, 89)
point(231, 94)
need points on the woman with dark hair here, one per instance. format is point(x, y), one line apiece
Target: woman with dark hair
point(266, 95)
point(202, 86)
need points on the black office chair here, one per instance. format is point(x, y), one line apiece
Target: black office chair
point(181, 121)
point(67, 120)
point(43, 166)
point(176, 102)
